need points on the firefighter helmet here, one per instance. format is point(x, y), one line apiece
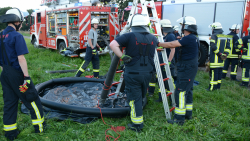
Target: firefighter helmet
point(139, 20)
point(12, 15)
point(94, 21)
point(188, 23)
point(176, 27)
point(235, 27)
point(215, 25)
point(165, 23)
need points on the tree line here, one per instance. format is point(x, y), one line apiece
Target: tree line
point(25, 25)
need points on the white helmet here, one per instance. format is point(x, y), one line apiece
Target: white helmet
point(12, 15)
point(94, 21)
point(165, 23)
point(176, 28)
point(139, 20)
point(235, 26)
point(215, 25)
point(188, 20)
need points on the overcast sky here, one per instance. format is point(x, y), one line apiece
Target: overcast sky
point(22, 4)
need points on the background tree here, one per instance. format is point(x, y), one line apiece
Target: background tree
point(2, 12)
point(26, 24)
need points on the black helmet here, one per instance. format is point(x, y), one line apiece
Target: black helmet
point(11, 16)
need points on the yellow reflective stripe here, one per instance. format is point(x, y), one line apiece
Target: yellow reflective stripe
point(33, 104)
point(132, 105)
point(189, 107)
point(235, 70)
point(212, 80)
point(245, 57)
point(219, 81)
point(137, 120)
point(213, 41)
point(37, 121)
point(218, 47)
point(82, 70)
point(240, 41)
point(10, 127)
point(237, 50)
point(182, 99)
point(224, 71)
point(232, 56)
point(239, 46)
point(244, 78)
point(152, 84)
point(95, 70)
point(179, 111)
point(248, 51)
point(159, 90)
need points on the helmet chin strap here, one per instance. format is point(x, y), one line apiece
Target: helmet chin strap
point(17, 26)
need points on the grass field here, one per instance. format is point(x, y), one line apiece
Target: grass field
point(25, 33)
point(218, 115)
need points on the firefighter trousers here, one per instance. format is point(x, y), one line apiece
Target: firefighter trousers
point(136, 84)
point(215, 78)
point(234, 68)
point(90, 57)
point(186, 71)
point(11, 79)
point(245, 72)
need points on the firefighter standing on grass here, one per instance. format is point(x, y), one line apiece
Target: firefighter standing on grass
point(187, 68)
point(139, 63)
point(234, 53)
point(244, 45)
point(218, 53)
point(15, 80)
point(91, 51)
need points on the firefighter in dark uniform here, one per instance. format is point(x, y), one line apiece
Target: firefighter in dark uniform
point(187, 67)
point(91, 51)
point(178, 37)
point(168, 37)
point(218, 53)
point(234, 53)
point(139, 63)
point(15, 80)
point(244, 45)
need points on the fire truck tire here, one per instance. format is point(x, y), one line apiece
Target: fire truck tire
point(203, 54)
point(61, 46)
point(34, 42)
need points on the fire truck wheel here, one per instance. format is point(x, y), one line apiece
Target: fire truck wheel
point(61, 46)
point(34, 43)
point(203, 54)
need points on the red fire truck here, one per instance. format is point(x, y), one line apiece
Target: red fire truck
point(227, 12)
point(65, 24)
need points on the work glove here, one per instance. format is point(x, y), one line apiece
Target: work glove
point(94, 51)
point(126, 58)
point(100, 49)
point(169, 62)
point(223, 56)
point(160, 48)
point(26, 84)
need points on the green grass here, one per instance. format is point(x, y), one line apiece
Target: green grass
point(220, 115)
point(25, 33)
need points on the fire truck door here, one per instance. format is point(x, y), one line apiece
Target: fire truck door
point(84, 23)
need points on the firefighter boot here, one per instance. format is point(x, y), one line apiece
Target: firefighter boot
point(175, 121)
point(160, 98)
point(135, 127)
point(244, 84)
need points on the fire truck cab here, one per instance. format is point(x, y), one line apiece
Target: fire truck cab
point(65, 25)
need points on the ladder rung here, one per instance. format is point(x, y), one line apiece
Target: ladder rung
point(120, 71)
point(111, 94)
point(162, 64)
point(159, 49)
point(156, 34)
point(165, 79)
point(115, 83)
point(149, 6)
point(169, 94)
point(152, 20)
point(172, 109)
point(139, 6)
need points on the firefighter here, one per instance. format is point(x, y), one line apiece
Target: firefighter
point(15, 80)
point(234, 53)
point(218, 53)
point(139, 63)
point(176, 32)
point(91, 51)
point(243, 45)
point(168, 37)
point(187, 68)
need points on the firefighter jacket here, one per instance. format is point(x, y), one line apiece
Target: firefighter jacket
point(218, 45)
point(234, 52)
point(244, 45)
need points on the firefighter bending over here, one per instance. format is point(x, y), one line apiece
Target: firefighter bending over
point(139, 63)
point(15, 80)
point(244, 45)
point(187, 67)
point(91, 51)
